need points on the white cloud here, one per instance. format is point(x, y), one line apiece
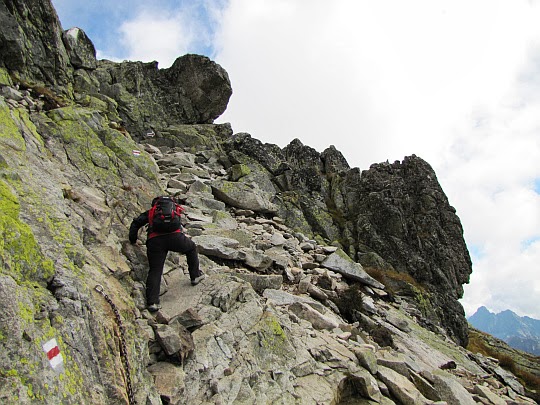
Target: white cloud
point(155, 37)
point(398, 75)
point(506, 280)
point(158, 33)
point(448, 81)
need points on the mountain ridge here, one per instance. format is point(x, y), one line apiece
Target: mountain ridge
point(519, 332)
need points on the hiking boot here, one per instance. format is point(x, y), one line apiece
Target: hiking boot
point(154, 307)
point(197, 280)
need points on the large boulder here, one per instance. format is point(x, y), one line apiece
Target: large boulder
point(244, 196)
point(194, 90)
point(201, 81)
point(81, 50)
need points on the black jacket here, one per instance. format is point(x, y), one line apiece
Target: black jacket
point(136, 224)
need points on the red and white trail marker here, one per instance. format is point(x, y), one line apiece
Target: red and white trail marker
point(136, 152)
point(53, 354)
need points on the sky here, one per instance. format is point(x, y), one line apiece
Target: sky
point(456, 83)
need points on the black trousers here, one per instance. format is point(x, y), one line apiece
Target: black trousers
point(157, 249)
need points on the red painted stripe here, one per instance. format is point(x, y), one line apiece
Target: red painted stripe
point(55, 351)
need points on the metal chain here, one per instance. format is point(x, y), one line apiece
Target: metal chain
point(123, 346)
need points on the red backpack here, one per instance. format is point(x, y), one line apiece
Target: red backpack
point(164, 216)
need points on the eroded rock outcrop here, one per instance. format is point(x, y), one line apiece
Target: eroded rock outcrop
point(194, 90)
point(31, 44)
point(403, 215)
point(393, 211)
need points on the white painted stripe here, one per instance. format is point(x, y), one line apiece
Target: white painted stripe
point(56, 361)
point(47, 346)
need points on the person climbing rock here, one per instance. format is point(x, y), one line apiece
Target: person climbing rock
point(164, 235)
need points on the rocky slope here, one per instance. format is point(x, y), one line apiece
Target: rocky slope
point(326, 284)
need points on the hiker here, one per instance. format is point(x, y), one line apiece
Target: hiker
point(164, 235)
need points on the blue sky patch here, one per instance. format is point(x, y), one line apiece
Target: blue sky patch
point(537, 186)
point(476, 252)
point(526, 243)
point(101, 20)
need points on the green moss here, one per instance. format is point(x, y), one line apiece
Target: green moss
point(93, 103)
point(9, 373)
point(190, 136)
point(5, 78)
point(26, 314)
point(9, 132)
point(228, 187)
point(122, 147)
point(30, 391)
point(273, 338)
point(220, 215)
point(24, 118)
point(19, 250)
point(238, 171)
point(343, 255)
point(291, 212)
point(95, 149)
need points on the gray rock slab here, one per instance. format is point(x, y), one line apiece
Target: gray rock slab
point(190, 319)
point(257, 259)
point(486, 393)
point(317, 320)
point(366, 384)
point(205, 203)
point(200, 187)
point(343, 264)
point(366, 358)
point(450, 390)
point(510, 380)
point(244, 196)
point(402, 388)
point(279, 297)
point(218, 246)
point(262, 282)
point(182, 159)
point(279, 256)
point(174, 341)
point(224, 220)
point(169, 380)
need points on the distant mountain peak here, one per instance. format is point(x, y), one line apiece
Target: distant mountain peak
point(522, 333)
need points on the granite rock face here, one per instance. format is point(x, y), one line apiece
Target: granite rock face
point(403, 215)
point(322, 280)
point(31, 44)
